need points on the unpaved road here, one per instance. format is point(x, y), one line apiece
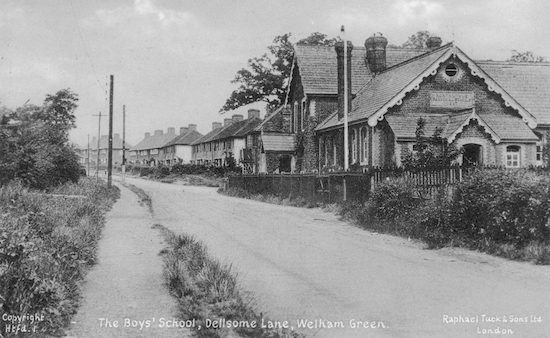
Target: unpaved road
point(305, 264)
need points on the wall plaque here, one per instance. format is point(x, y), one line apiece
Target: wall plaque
point(456, 100)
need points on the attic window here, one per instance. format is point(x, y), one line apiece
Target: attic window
point(451, 70)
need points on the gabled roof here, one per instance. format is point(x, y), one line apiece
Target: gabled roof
point(389, 87)
point(185, 139)
point(209, 136)
point(269, 117)
point(318, 67)
point(499, 127)
point(235, 129)
point(154, 142)
point(528, 83)
point(279, 142)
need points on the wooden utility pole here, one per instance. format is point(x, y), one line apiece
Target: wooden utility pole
point(98, 139)
point(123, 143)
point(346, 151)
point(110, 156)
point(88, 154)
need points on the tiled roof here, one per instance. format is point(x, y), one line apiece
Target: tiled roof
point(209, 136)
point(318, 66)
point(279, 142)
point(509, 127)
point(154, 142)
point(104, 143)
point(185, 139)
point(386, 85)
point(527, 83)
point(270, 116)
point(503, 127)
point(235, 129)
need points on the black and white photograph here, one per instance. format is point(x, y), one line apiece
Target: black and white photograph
point(274, 169)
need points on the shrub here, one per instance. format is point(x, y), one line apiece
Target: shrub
point(394, 198)
point(46, 244)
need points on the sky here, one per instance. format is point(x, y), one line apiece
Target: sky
point(173, 60)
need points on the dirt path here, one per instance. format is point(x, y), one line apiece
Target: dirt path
point(306, 265)
point(126, 285)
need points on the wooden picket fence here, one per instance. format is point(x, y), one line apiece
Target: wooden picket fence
point(352, 186)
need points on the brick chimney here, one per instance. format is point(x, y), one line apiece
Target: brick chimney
point(339, 46)
point(376, 53)
point(184, 130)
point(171, 130)
point(94, 143)
point(237, 117)
point(433, 42)
point(192, 127)
point(147, 135)
point(252, 113)
point(216, 125)
point(227, 122)
point(117, 136)
point(158, 132)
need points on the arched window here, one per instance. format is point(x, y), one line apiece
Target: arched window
point(353, 146)
point(364, 145)
point(513, 156)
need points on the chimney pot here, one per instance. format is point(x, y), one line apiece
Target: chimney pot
point(237, 117)
point(192, 127)
point(147, 135)
point(216, 125)
point(339, 47)
point(252, 113)
point(171, 130)
point(433, 42)
point(184, 130)
point(227, 122)
point(376, 53)
point(158, 132)
point(117, 136)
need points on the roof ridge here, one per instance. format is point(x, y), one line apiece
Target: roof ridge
point(414, 58)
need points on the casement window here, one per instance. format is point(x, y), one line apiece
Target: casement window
point(353, 146)
point(364, 145)
point(154, 151)
point(296, 115)
point(303, 114)
point(143, 153)
point(539, 154)
point(513, 155)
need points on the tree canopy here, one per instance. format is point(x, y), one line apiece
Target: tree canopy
point(527, 56)
point(266, 77)
point(34, 144)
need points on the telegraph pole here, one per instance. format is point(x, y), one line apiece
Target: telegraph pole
point(123, 143)
point(110, 157)
point(88, 153)
point(346, 151)
point(98, 139)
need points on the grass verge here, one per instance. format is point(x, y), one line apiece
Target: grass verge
point(144, 199)
point(208, 292)
point(48, 241)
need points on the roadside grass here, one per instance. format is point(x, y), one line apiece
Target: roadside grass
point(288, 201)
point(48, 241)
point(196, 175)
point(208, 291)
point(144, 199)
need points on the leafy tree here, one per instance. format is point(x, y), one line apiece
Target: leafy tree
point(266, 78)
point(433, 151)
point(527, 56)
point(34, 143)
point(417, 41)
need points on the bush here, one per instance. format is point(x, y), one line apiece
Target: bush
point(503, 207)
point(46, 245)
point(393, 199)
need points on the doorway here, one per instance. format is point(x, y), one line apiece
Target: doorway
point(472, 155)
